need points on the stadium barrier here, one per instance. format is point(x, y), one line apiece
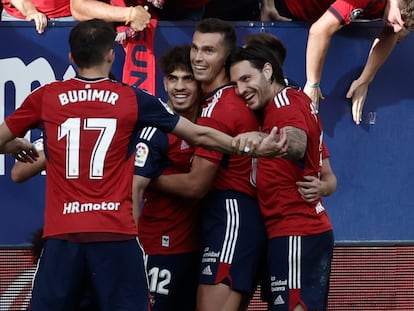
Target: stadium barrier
point(364, 277)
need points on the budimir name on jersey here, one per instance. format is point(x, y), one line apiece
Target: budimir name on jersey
point(76, 96)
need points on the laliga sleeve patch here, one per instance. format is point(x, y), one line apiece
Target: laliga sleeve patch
point(141, 154)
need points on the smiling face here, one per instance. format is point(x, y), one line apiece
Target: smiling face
point(182, 90)
point(208, 55)
point(252, 84)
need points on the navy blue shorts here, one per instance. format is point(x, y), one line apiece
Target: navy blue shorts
point(299, 269)
point(115, 272)
point(234, 240)
point(173, 281)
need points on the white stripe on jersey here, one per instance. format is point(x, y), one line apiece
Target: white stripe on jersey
point(281, 99)
point(147, 133)
point(295, 255)
point(232, 231)
point(207, 111)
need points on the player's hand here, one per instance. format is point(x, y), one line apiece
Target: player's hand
point(357, 93)
point(246, 143)
point(314, 94)
point(273, 145)
point(23, 150)
point(39, 19)
point(140, 18)
point(392, 15)
point(271, 14)
point(310, 189)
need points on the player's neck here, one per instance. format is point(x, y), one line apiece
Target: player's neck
point(93, 72)
point(220, 80)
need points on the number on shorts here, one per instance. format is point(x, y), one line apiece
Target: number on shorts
point(159, 280)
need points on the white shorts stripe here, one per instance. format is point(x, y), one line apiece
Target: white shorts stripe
point(232, 230)
point(294, 257)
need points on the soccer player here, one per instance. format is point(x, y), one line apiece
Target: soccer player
point(169, 225)
point(300, 236)
point(90, 125)
point(232, 227)
point(311, 187)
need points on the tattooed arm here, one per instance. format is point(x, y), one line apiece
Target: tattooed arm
point(297, 141)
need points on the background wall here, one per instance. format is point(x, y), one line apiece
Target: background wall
point(373, 161)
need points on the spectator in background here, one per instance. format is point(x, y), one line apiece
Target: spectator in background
point(169, 225)
point(327, 17)
point(300, 237)
point(37, 11)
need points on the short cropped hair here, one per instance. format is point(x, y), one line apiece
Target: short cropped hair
point(273, 42)
point(258, 56)
point(89, 41)
point(216, 25)
point(177, 57)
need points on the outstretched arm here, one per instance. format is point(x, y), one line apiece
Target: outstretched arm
point(380, 50)
point(30, 12)
point(270, 13)
point(319, 38)
point(272, 145)
point(207, 137)
point(137, 16)
point(14, 145)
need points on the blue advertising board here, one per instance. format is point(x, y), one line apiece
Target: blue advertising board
point(372, 161)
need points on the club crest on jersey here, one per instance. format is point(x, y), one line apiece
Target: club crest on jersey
point(141, 154)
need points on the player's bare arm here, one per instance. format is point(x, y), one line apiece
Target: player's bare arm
point(194, 184)
point(22, 171)
point(312, 188)
point(297, 142)
point(319, 38)
point(208, 137)
point(139, 184)
point(15, 146)
point(259, 144)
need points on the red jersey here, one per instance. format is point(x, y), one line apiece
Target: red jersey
point(344, 10)
point(90, 132)
point(284, 211)
point(227, 112)
point(51, 8)
point(168, 224)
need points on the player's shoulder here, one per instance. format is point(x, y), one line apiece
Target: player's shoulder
point(289, 96)
point(151, 133)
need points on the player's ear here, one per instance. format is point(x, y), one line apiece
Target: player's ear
point(70, 57)
point(267, 71)
point(164, 80)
